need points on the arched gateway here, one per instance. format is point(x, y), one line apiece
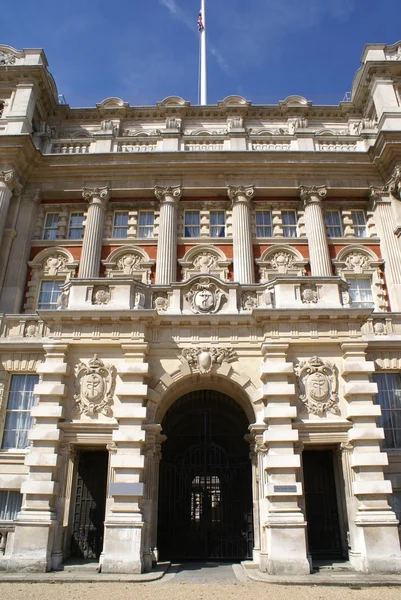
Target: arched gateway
point(205, 493)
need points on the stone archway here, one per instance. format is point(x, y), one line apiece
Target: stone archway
point(205, 484)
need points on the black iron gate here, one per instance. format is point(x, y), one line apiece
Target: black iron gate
point(205, 493)
point(90, 504)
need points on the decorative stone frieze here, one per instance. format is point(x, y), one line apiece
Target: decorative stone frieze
point(203, 359)
point(205, 297)
point(318, 386)
point(94, 384)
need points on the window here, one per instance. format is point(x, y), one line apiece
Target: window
point(289, 219)
point(263, 223)
point(18, 417)
point(51, 226)
point(76, 226)
point(217, 223)
point(333, 223)
point(145, 224)
point(120, 225)
point(192, 223)
point(10, 505)
point(49, 294)
point(389, 398)
point(359, 223)
point(361, 293)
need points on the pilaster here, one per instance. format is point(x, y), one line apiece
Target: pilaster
point(123, 547)
point(36, 523)
point(166, 264)
point(241, 197)
point(390, 245)
point(285, 526)
point(375, 543)
point(89, 265)
point(316, 230)
point(154, 439)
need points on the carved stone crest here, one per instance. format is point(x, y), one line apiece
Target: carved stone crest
point(54, 264)
point(129, 263)
point(204, 297)
point(31, 329)
point(205, 262)
point(317, 384)
point(380, 328)
point(309, 294)
point(101, 294)
point(357, 262)
point(160, 302)
point(94, 387)
point(282, 261)
point(203, 359)
point(249, 300)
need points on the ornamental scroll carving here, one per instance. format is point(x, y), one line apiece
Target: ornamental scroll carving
point(94, 386)
point(6, 58)
point(205, 297)
point(55, 264)
point(203, 359)
point(129, 263)
point(317, 385)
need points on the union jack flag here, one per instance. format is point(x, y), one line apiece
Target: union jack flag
point(200, 22)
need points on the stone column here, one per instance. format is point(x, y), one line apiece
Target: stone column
point(316, 230)
point(285, 527)
point(89, 265)
point(36, 522)
point(390, 246)
point(13, 290)
point(375, 542)
point(253, 457)
point(241, 197)
point(151, 494)
point(8, 182)
point(166, 265)
point(394, 186)
point(123, 549)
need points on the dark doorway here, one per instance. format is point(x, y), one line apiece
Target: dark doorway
point(324, 533)
point(205, 490)
point(90, 505)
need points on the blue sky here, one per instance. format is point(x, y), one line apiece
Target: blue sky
point(145, 50)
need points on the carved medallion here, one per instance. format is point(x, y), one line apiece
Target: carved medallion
point(249, 300)
point(203, 359)
point(101, 295)
point(160, 302)
point(317, 383)
point(94, 387)
point(205, 296)
point(31, 329)
point(309, 294)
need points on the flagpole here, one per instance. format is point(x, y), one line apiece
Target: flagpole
point(203, 71)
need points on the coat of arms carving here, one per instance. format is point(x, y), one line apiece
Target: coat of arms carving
point(94, 387)
point(205, 296)
point(203, 359)
point(318, 384)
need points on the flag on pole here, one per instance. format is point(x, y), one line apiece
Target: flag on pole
point(200, 22)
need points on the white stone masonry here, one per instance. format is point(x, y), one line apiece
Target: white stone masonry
point(166, 264)
point(8, 182)
point(316, 230)
point(89, 264)
point(244, 269)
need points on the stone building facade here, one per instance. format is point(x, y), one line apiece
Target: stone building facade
point(200, 329)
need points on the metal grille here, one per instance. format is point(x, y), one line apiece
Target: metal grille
point(90, 503)
point(205, 499)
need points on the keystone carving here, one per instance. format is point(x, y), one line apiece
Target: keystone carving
point(317, 386)
point(204, 297)
point(94, 384)
point(203, 359)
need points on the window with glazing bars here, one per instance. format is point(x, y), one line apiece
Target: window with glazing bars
point(192, 223)
point(49, 294)
point(51, 226)
point(120, 224)
point(76, 226)
point(263, 223)
point(389, 398)
point(10, 504)
point(361, 293)
point(359, 223)
point(333, 223)
point(289, 220)
point(217, 223)
point(18, 416)
point(146, 223)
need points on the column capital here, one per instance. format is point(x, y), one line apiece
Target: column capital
point(240, 193)
point(312, 194)
point(168, 194)
point(96, 195)
point(9, 179)
point(394, 184)
point(379, 194)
